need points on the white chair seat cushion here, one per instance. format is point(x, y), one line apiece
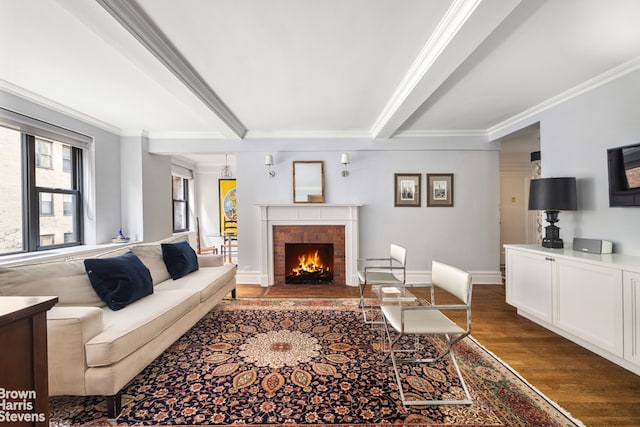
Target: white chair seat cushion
point(419, 321)
point(378, 277)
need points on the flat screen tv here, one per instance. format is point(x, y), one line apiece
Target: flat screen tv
point(624, 175)
point(631, 160)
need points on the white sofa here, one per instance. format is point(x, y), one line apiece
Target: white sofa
point(93, 350)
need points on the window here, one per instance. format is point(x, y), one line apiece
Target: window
point(67, 204)
point(46, 204)
point(47, 239)
point(180, 192)
point(66, 158)
point(40, 183)
point(43, 154)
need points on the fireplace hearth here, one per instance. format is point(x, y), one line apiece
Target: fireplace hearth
point(308, 263)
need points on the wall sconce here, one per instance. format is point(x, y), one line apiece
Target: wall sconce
point(553, 195)
point(268, 161)
point(344, 159)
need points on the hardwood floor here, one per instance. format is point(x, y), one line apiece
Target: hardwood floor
point(592, 389)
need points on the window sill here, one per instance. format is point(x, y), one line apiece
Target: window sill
point(60, 254)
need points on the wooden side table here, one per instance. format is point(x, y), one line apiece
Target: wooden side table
point(24, 377)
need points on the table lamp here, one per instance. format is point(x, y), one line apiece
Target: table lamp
point(553, 195)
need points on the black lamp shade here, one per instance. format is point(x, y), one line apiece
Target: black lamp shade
point(553, 194)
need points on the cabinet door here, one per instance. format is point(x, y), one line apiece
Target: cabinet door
point(588, 303)
point(528, 285)
point(631, 316)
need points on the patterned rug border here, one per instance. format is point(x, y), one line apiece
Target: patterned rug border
point(528, 384)
point(336, 304)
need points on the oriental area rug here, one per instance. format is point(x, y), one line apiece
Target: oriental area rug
point(303, 362)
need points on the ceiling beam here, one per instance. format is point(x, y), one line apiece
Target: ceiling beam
point(464, 27)
point(136, 21)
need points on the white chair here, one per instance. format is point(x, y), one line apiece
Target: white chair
point(381, 271)
point(427, 318)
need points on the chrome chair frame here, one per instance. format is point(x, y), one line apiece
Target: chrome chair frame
point(381, 271)
point(427, 319)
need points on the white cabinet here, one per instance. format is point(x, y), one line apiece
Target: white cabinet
point(591, 299)
point(588, 303)
point(631, 285)
point(528, 283)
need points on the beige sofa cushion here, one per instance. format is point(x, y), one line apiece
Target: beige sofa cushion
point(128, 329)
point(210, 260)
point(65, 279)
point(151, 256)
point(206, 281)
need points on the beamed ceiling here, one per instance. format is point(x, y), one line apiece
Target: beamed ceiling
point(377, 69)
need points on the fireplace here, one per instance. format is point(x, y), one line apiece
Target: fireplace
point(291, 242)
point(308, 263)
point(309, 223)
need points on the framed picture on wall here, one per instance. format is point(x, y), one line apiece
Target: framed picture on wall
point(440, 189)
point(407, 189)
point(228, 204)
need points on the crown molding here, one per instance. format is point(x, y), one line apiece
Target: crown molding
point(142, 133)
point(57, 107)
point(437, 133)
point(185, 135)
point(615, 73)
point(318, 134)
point(136, 21)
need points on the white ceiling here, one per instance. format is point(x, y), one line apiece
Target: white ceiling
point(306, 68)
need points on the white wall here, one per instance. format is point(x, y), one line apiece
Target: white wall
point(574, 138)
point(466, 235)
point(132, 188)
point(146, 191)
point(158, 210)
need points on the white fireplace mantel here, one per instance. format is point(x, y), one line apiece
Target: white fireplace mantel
point(309, 214)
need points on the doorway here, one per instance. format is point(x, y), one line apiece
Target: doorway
point(518, 225)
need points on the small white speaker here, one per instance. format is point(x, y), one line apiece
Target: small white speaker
point(594, 246)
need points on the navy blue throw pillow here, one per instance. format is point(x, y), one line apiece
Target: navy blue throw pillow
point(119, 280)
point(180, 259)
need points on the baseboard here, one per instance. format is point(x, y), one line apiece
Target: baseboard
point(249, 278)
point(415, 277)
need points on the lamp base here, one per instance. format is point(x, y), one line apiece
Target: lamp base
point(552, 232)
point(552, 243)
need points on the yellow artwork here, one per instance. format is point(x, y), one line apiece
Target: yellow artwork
point(228, 204)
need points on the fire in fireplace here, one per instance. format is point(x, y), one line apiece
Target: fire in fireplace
point(308, 263)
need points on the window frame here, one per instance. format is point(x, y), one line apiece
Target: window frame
point(184, 201)
point(31, 200)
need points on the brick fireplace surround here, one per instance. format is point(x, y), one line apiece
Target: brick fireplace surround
point(333, 234)
point(309, 223)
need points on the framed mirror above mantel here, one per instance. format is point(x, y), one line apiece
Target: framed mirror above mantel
point(308, 181)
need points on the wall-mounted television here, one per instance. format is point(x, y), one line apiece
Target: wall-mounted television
point(631, 160)
point(624, 175)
